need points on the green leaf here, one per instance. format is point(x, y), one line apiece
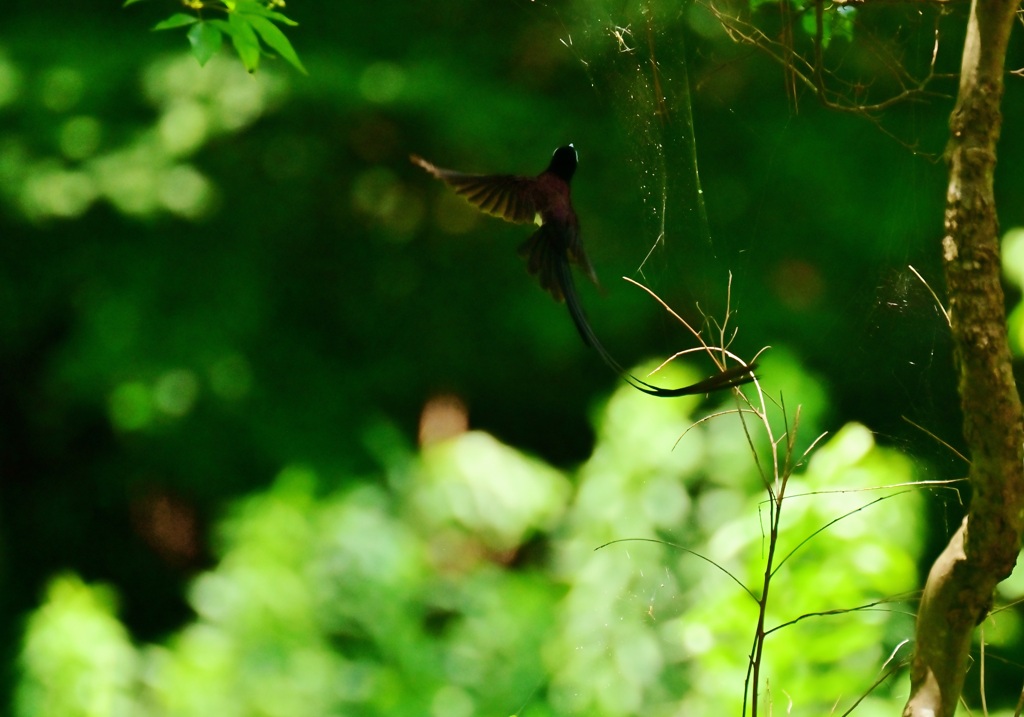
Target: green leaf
point(251, 7)
point(276, 40)
point(243, 37)
point(126, 3)
point(223, 26)
point(206, 40)
point(178, 19)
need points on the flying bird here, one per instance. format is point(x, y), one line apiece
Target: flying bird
point(551, 251)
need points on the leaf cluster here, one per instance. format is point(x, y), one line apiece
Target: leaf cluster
point(250, 25)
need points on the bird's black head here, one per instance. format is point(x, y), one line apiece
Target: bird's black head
point(563, 162)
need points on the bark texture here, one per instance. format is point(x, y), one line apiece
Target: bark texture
point(982, 552)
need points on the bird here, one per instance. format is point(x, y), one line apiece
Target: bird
point(552, 250)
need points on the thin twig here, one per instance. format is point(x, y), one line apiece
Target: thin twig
point(832, 522)
point(837, 611)
point(931, 291)
point(945, 483)
point(924, 430)
point(876, 683)
point(685, 550)
point(981, 671)
point(708, 417)
point(1020, 703)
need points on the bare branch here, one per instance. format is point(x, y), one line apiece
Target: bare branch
point(810, 71)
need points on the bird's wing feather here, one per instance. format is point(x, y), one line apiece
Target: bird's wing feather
point(545, 261)
point(507, 196)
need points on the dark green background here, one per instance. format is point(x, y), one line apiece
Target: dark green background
point(323, 267)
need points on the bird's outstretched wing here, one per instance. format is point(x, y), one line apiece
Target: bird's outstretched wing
point(507, 196)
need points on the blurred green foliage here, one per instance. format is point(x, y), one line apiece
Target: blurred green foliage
point(228, 300)
point(429, 596)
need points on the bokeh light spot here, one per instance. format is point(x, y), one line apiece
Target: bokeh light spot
point(131, 406)
point(382, 82)
point(57, 193)
point(241, 102)
point(378, 193)
point(175, 392)
point(1013, 256)
point(697, 639)
point(183, 128)
point(375, 192)
point(186, 192)
point(62, 88)
point(10, 82)
point(80, 137)
point(451, 701)
point(129, 180)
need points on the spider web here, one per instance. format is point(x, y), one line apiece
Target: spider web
point(634, 53)
point(634, 56)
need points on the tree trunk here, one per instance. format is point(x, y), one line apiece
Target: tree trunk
point(958, 592)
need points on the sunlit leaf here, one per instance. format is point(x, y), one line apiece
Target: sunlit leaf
point(126, 3)
point(277, 41)
point(223, 26)
point(75, 638)
point(251, 7)
point(206, 40)
point(243, 37)
point(178, 19)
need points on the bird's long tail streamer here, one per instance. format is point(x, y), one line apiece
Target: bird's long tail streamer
point(735, 376)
